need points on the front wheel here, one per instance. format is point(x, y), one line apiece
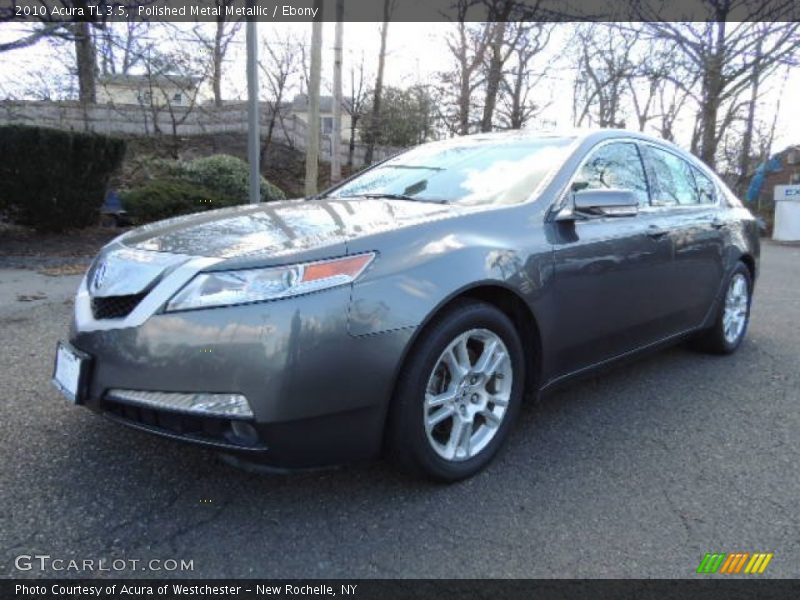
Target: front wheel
point(730, 326)
point(458, 393)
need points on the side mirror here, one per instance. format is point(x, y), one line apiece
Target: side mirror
point(601, 203)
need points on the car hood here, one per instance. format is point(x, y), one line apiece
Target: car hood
point(281, 228)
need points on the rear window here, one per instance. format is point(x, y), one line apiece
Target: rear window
point(676, 181)
point(705, 187)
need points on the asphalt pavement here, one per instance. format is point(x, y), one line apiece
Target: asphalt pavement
point(637, 472)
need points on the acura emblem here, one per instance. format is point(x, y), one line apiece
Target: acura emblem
point(99, 275)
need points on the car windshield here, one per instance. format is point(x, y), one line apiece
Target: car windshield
point(468, 171)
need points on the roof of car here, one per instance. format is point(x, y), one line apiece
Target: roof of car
point(578, 135)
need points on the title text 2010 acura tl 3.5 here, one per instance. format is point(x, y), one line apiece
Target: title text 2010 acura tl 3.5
point(409, 308)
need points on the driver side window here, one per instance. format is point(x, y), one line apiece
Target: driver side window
point(614, 166)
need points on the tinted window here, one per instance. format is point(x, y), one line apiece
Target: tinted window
point(674, 182)
point(614, 166)
point(466, 171)
point(705, 187)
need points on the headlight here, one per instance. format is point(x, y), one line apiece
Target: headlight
point(226, 288)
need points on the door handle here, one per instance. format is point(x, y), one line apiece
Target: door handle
point(655, 232)
point(718, 223)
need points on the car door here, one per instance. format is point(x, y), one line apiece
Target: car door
point(610, 272)
point(685, 201)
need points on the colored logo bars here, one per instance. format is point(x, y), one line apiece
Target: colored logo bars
point(735, 562)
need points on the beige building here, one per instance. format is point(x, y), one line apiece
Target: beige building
point(141, 90)
point(299, 107)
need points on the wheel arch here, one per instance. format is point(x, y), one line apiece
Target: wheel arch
point(750, 263)
point(507, 301)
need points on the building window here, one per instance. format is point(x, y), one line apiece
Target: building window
point(326, 125)
point(177, 98)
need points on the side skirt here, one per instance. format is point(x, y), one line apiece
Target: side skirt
point(615, 360)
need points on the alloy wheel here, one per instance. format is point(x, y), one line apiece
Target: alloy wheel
point(467, 395)
point(734, 318)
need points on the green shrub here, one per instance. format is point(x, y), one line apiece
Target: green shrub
point(54, 180)
point(163, 198)
point(224, 174)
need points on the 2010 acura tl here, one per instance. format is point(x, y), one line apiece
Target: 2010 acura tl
point(409, 308)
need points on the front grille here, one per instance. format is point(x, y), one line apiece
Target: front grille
point(115, 307)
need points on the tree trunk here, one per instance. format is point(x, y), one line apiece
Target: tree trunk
point(464, 83)
point(312, 143)
point(712, 88)
point(494, 75)
point(216, 72)
point(85, 62)
point(273, 120)
point(352, 149)
point(374, 123)
point(747, 138)
point(517, 117)
point(463, 105)
point(336, 134)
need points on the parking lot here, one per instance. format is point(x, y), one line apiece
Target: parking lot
point(634, 473)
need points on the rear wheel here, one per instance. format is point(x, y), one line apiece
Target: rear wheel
point(730, 326)
point(458, 393)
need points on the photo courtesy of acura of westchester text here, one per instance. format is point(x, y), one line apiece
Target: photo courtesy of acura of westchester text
point(495, 297)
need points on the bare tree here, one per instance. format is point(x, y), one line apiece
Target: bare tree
point(516, 106)
point(467, 45)
point(725, 55)
point(122, 46)
point(282, 68)
point(658, 85)
point(374, 122)
point(606, 63)
point(79, 32)
point(497, 56)
point(85, 62)
point(356, 105)
point(165, 71)
point(745, 151)
point(510, 20)
point(217, 43)
point(30, 37)
point(671, 100)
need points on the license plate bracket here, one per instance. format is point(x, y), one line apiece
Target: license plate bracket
point(71, 372)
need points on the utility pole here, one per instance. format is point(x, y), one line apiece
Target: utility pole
point(336, 134)
point(312, 142)
point(253, 125)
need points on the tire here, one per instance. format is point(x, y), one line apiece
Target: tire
point(715, 340)
point(435, 384)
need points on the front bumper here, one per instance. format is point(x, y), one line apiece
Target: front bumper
point(318, 394)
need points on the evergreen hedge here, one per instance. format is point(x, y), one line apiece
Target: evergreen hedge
point(53, 180)
point(164, 198)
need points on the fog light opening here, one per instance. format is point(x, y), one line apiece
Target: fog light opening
point(244, 433)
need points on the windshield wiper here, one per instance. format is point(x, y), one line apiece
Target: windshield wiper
point(403, 197)
point(388, 196)
point(421, 167)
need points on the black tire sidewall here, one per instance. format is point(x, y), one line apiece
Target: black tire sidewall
point(410, 437)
